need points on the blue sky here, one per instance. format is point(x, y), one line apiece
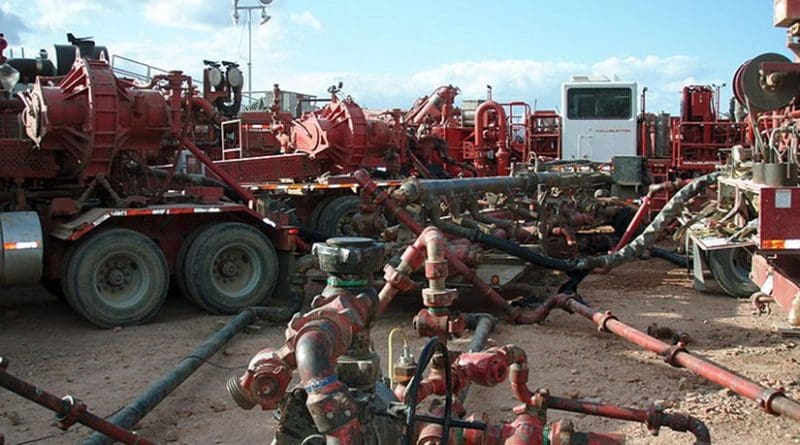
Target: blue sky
point(388, 52)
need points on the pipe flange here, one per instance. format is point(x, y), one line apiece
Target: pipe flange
point(72, 409)
point(767, 397)
point(670, 354)
point(604, 319)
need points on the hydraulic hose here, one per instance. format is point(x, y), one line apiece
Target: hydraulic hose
point(627, 253)
point(673, 257)
point(129, 416)
point(650, 234)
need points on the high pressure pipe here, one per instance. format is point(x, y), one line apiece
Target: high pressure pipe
point(68, 410)
point(627, 253)
point(773, 401)
point(653, 418)
point(432, 241)
point(414, 190)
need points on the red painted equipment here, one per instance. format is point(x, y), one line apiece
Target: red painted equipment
point(773, 401)
point(69, 411)
point(86, 162)
point(699, 133)
point(545, 134)
point(342, 137)
point(93, 116)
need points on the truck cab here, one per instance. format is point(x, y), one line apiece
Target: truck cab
point(599, 118)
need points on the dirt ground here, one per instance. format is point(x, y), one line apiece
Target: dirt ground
point(51, 346)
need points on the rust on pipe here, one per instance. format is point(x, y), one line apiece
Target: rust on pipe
point(773, 401)
point(383, 198)
point(69, 411)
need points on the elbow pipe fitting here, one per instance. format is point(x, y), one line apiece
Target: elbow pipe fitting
point(430, 243)
point(329, 402)
point(481, 121)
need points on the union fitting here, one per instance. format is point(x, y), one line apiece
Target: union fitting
point(264, 383)
point(438, 298)
point(439, 322)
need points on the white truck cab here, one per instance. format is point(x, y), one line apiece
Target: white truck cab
point(599, 118)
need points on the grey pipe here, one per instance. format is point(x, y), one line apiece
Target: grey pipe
point(158, 391)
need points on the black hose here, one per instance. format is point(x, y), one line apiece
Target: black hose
point(425, 356)
point(482, 326)
point(629, 252)
point(158, 391)
point(672, 257)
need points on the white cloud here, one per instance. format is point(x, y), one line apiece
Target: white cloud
point(202, 15)
point(57, 15)
point(305, 18)
point(187, 51)
point(626, 67)
point(533, 81)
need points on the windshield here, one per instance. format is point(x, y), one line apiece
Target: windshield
point(599, 103)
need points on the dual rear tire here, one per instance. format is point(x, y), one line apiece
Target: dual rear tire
point(226, 267)
point(120, 277)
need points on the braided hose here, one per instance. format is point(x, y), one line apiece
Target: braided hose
point(649, 236)
point(627, 253)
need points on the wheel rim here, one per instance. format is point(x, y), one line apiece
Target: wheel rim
point(344, 226)
point(236, 270)
point(121, 280)
point(740, 264)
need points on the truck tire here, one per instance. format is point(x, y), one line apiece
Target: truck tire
point(117, 277)
point(180, 279)
point(336, 218)
point(731, 269)
point(228, 267)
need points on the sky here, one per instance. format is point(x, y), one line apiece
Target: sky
point(388, 53)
